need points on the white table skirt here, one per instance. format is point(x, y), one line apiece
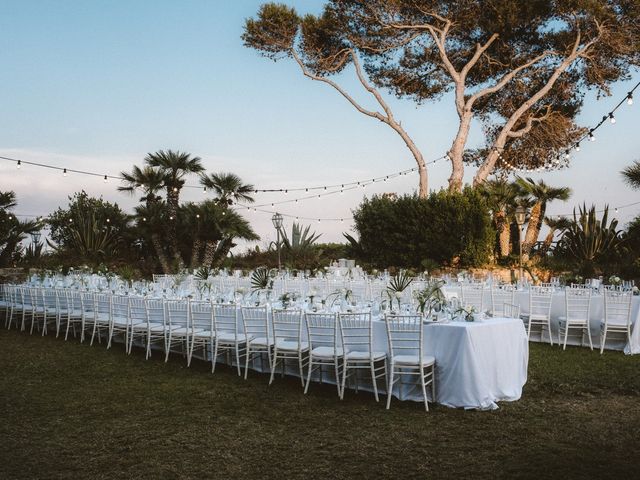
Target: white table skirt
point(477, 364)
point(614, 342)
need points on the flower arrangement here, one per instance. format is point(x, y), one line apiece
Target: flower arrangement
point(286, 299)
point(431, 297)
point(615, 280)
point(466, 313)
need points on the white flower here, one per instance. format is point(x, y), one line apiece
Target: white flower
point(398, 295)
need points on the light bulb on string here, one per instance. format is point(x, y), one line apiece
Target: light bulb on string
point(105, 179)
point(592, 137)
point(567, 155)
point(630, 98)
point(64, 172)
point(19, 164)
point(612, 119)
point(204, 190)
point(577, 147)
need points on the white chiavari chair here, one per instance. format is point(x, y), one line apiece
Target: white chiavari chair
point(288, 344)
point(76, 313)
point(158, 324)
point(88, 305)
point(255, 322)
point(540, 299)
point(356, 333)
point(204, 330)
point(139, 325)
point(617, 316)
point(51, 309)
point(510, 310)
point(322, 333)
point(405, 334)
point(500, 295)
point(227, 338)
point(180, 326)
point(577, 313)
point(473, 296)
point(101, 316)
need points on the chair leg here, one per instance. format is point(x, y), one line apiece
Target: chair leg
point(214, 356)
point(273, 366)
point(345, 368)
point(301, 368)
point(588, 328)
point(566, 334)
point(549, 330)
point(603, 338)
point(433, 383)
point(390, 388)
point(167, 349)
point(306, 388)
point(424, 389)
point(374, 381)
point(337, 372)
point(238, 359)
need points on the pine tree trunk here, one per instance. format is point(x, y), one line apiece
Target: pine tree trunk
point(456, 154)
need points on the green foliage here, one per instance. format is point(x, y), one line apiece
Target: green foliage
point(399, 282)
point(589, 240)
point(631, 175)
point(261, 279)
point(448, 228)
point(12, 230)
point(431, 297)
point(300, 239)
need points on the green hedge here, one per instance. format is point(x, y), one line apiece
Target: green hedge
point(447, 228)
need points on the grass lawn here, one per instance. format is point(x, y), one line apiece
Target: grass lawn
point(69, 410)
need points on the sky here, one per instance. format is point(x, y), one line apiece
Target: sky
point(97, 85)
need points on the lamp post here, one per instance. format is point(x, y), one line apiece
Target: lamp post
point(277, 223)
point(521, 214)
point(35, 237)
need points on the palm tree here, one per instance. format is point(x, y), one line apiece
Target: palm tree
point(148, 179)
point(555, 225)
point(541, 194)
point(228, 188)
point(12, 230)
point(501, 196)
point(174, 166)
point(631, 175)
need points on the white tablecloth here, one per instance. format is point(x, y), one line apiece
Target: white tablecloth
point(614, 342)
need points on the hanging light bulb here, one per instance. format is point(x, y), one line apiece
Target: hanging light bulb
point(567, 155)
point(144, 219)
point(197, 215)
point(612, 119)
point(64, 172)
point(19, 164)
point(592, 137)
point(577, 147)
point(105, 179)
point(286, 192)
point(205, 189)
point(175, 189)
point(630, 98)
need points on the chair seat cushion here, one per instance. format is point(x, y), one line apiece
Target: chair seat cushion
point(572, 321)
point(413, 360)
point(152, 326)
point(327, 352)
point(291, 345)
point(364, 356)
point(185, 331)
point(203, 334)
point(230, 337)
point(261, 342)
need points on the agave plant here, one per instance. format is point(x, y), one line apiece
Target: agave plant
point(588, 239)
point(89, 240)
point(301, 239)
point(261, 279)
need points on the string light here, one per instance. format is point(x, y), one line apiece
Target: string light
point(64, 173)
point(612, 118)
point(630, 98)
point(19, 164)
point(105, 179)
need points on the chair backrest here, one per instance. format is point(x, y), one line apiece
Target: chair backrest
point(405, 334)
point(74, 301)
point(120, 308)
point(473, 296)
point(155, 311)
point(102, 303)
point(50, 299)
point(255, 321)
point(510, 310)
point(356, 331)
point(137, 310)
point(540, 299)
point(577, 303)
point(617, 307)
point(225, 318)
point(178, 313)
point(202, 315)
point(33, 296)
point(87, 302)
point(501, 294)
point(287, 324)
point(322, 329)
point(62, 300)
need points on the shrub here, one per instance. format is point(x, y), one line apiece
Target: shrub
point(447, 228)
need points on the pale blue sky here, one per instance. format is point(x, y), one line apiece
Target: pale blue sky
point(95, 85)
